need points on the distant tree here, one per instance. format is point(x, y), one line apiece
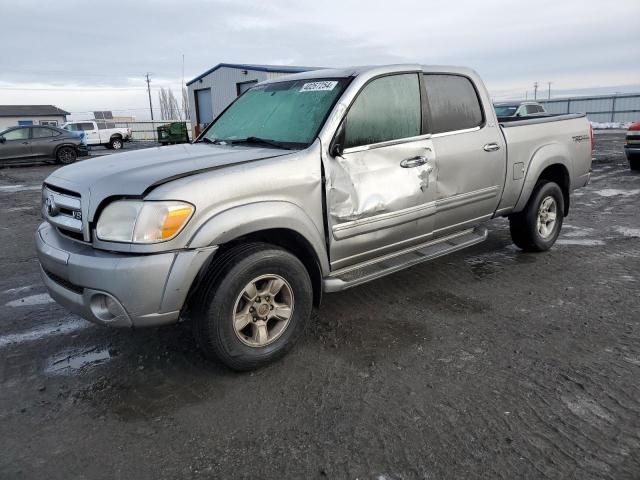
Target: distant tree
point(185, 104)
point(169, 109)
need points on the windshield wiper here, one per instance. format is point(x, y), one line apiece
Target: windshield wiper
point(260, 141)
point(215, 141)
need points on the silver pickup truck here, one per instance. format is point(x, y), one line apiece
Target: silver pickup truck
point(308, 184)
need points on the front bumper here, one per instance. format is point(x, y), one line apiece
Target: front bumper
point(82, 150)
point(632, 151)
point(116, 289)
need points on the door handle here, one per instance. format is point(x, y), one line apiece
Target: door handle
point(413, 162)
point(491, 147)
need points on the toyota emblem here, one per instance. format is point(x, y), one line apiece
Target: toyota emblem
point(50, 205)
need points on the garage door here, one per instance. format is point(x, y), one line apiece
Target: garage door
point(204, 107)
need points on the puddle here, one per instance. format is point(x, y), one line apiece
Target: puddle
point(72, 362)
point(44, 331)
point(39, 299)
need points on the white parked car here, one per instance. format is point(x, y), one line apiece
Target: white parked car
point(100, 133)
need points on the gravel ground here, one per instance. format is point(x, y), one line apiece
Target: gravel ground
point(489, 363)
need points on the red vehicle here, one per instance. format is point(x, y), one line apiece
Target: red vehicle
point(632, 147)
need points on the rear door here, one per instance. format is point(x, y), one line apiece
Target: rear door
point(380, 191)
point(470, 153)
point(17, 144)
point(44, 141)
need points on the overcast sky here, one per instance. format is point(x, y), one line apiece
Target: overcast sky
point(93, 55)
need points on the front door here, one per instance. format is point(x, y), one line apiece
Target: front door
point(91, 133)
point(380, 191)
point(471, 154)
point(16, 144)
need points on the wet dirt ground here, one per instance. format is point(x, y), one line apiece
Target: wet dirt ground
point(489, 363)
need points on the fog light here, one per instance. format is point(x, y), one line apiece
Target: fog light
point(105, 308)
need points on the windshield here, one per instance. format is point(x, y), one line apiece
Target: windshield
point(284, 114)
point(506, 110)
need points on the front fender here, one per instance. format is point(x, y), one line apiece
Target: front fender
point(545, 156)
point(254, 217)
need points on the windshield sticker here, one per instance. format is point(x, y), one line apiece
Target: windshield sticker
point(319, 86)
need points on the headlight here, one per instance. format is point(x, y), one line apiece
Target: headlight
point(137, 221)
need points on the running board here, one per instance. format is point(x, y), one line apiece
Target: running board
point(351, 276)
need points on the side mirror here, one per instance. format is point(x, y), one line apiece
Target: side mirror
point(2, 139)
point(336, 149)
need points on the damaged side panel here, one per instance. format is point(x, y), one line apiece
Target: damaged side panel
point(380, 199)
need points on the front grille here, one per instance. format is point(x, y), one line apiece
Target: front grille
point(63, 209)
point(64, 283)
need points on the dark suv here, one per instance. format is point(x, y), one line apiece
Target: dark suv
point(18, 144)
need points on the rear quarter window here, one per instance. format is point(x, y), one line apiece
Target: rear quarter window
point(453, 103)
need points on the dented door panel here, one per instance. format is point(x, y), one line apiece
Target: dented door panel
point(375, 204)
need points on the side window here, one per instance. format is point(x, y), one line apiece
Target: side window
point(531, 109)
point(388, 108)
point(86, 126)
point(44, 132)
point(453, 103)
point(101, 125)
point(17, 134)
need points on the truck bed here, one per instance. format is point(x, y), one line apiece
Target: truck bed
point(552, 137)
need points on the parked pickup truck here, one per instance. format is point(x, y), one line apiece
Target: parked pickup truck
point(308, 184)
point(100, 133)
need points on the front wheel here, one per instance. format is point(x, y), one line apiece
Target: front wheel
point(634, 162)
point(66, 155)
point(253, 306)
point(537, 227)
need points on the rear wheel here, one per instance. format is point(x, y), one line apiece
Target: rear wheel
point(66, 155)
point(116, 143)
point(537, 227)
point(634, 163)
point(253, 306)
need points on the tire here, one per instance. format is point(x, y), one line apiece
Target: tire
point(108, 146)
point(525, 230)
point(116, 143)
point(634, 163)
point(222, 306)
point(66, 155)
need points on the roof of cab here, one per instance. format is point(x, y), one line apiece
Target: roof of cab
point(372, 70)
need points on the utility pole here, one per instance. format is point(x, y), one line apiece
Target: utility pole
point(535, 90)
point(549, 94)
point(149, 92)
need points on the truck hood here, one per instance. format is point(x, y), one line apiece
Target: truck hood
point(136, 172)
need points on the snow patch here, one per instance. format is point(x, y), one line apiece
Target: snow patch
point(629, 232)
point(580, 241)
point(11, 291)
point(607, 125)
point(19, 188)
point(44, 331)
point(612, 192)
point(39, 299)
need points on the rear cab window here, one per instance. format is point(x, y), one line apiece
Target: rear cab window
point(452, 102)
